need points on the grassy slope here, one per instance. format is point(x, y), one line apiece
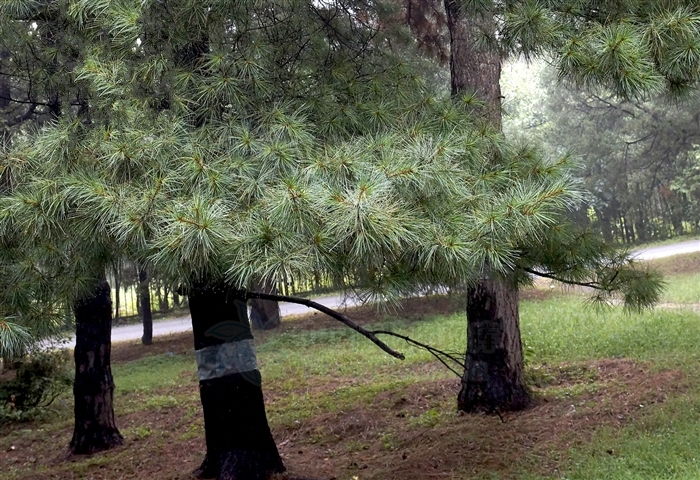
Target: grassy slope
point(314, 377)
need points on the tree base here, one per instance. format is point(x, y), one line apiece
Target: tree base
point(93, 442)
point(495, 396)
point(239, 464)
point(239, 442)
point(493, 378)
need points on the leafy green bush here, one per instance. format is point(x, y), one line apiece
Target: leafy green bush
point(39, 379)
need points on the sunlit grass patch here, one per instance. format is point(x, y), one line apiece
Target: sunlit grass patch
point(682, 289)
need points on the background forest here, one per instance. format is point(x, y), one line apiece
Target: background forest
point(639, 161)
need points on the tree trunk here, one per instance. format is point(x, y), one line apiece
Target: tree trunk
point(145, 304)
point(473, 66)
point(159, 297)
point(239, 442)
point(493, 379)
point(93, 387)
point(166, 304)
point(265, 314)
point(117, 287)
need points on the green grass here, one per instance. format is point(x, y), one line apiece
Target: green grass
point(153, 372)
point(560, 334)
point(563, 329)
point(664, 443)
point(682, 289)
point(661, 445)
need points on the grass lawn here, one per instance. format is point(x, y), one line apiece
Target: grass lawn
point(617, 397)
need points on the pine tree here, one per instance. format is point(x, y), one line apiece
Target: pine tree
point(634, 49)
point(224, 142)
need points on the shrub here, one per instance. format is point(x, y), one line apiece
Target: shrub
point(39, 379)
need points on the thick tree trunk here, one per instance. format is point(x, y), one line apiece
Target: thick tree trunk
point(93, 388)
point(145, 306)
point(239, 442)
point(493, 379)
point(265, 314)
point(474, 67)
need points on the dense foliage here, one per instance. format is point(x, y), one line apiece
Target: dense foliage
point(265, 140)
point(36, 382)
point(272, 158)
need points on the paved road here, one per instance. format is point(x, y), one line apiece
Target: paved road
point(668, 250)
point(166, 327)
point(182, 324)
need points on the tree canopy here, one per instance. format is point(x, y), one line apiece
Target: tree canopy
point(200, 162)
point(262, 140)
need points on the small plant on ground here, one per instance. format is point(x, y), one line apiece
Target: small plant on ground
point(39, 379)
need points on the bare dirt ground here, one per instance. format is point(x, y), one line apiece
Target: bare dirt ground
point(403, 434)
point(407, 433)
point(678, 265)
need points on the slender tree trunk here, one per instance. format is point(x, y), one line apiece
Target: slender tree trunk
point(117, 287)
point(265, 314)
point(145, 304)
point(159, 297)
point(604, 224)
point(474, 67)
point(166, 294)
point(239, 442)
point(493, 379)
point(93, 387)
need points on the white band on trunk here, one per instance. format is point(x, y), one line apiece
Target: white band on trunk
point(225, 359)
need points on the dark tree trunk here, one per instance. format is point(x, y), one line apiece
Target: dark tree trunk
point(265, 314)
point(493, 379)
point(166, 304)
point(606, 228)
point(473, 66)
point(93, 388)
point(8, 363)
point(239, 442)
point(117, 287)
point(145, 304)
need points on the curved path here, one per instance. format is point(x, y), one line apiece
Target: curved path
point(176, 325)
point(668, 250)
point(166, 327)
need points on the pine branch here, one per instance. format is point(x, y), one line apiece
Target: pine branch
point(552, 276)
point(331, 313)
point(439, 354)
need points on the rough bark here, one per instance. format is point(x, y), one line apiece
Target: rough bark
point(239, 442)
point(145, 306)
point(265, 314)
point(93, 388)
point(474, 66)
point(493, 379)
